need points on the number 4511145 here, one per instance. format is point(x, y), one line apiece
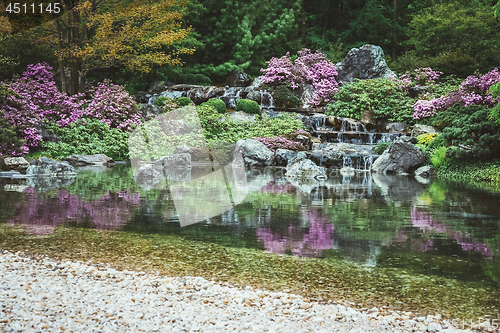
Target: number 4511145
point(25, 8)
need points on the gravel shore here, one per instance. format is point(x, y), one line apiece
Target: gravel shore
point(44, 295)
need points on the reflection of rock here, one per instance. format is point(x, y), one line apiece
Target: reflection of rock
point(423, 174)
point(175, 161)
point(400, 157)
point(13, 164)
point(366, 62)
point(254, 152)
point(147, 176)
point(177, 175)
point(90, 160)
point(45, 166)
point(398, 188)
point(302, 168)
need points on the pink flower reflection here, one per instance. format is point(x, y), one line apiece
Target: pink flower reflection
point(319, 237)
point(424, 221)
point(41, 214)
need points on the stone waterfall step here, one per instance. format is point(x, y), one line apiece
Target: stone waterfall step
point(356, 137)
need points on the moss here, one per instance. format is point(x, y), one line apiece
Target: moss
point(325, 279)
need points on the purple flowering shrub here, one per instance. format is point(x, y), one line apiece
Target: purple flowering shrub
point(419, 77)
point(308, 68)
point(473, 91)
point(279, 142)
point(35, 99)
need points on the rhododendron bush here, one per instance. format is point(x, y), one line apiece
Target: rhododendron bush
point(473, 91)
point(308, 68)
point(37, 100)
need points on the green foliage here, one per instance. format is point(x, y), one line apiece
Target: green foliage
point(88, 137)
point(183, 101)
point(381, 147)
point(495, 94)
point(382, 96)
point(9, 140)
point(471, 127)
point(283, 97)
point(248, 106)
point(426, 138)
point(160, 101)
point(472, 171)
point(217, 104)
point(438, 141)
point(438, 157)
point(455, 37)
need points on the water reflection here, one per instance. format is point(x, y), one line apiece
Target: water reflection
point(370, 219)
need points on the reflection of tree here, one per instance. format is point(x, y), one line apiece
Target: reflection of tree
point(319, 237)
point(41, 213)
point(424, 221)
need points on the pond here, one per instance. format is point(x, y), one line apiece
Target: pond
point(439, 229)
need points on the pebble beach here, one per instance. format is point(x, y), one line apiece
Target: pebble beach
point(46, 295)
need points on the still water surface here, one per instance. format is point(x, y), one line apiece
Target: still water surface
point(440, 228)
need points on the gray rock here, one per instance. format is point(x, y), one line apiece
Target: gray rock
point(409, 139)
point(302, 168)
point(238, 79)
point(282, 156)
point(400, 157)
point(156, 87)
point(176, 161)
point(46, 136)
point(147, 176)
point(422, 129)
point(97, 160)
point(140, 97)
point(366, 62)
point(150, 110)
point(13, 163)
point(254, 152)
point(306, 92)
point(45, 166)
point(183, 149)
point(241, 116)
point(425, 171)
point(174, 127)
point(396, 127)
point(202, 94)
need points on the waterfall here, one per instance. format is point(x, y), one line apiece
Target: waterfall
point(266, 99)
point(339, 137)
point(368, 161)
point(371, 137)
point(364, 128)
point(343, 125)
point(232, 95)
point(346, 161)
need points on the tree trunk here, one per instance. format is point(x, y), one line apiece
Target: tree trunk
point(57, 26)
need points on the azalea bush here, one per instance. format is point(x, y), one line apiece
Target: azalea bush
point(419, 77)
point(279, 142)
point(473, 91)
point(308, 68)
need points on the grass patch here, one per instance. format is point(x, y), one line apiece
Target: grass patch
point(322, 280)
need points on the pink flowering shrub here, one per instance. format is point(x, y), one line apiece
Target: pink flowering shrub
point(113, 105)
point(473, 91)
point(279, 142)
point(36, 99)
point(419, 77)
point(308, 68)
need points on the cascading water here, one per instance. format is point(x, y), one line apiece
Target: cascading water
point(346, 161)
point(266, 99)
point(232, 95)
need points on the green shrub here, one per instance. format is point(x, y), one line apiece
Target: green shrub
point(217, 104)
point(382, 96)
point(438, 141)
point(248, 106)
point(202, 80)
point(426, 138)
point(88, 137)
point(9, 140)
point(183, 101)
point(283, 97)
point(381, 147)
point(438, 157)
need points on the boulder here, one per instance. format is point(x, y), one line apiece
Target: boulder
point(202, 94)
point(254, 152)
point(150, 110)
point(346, 124)
point(47, 137)
point(396, 127)
point(97, 160)
point(238, 79)
point(366, 62)
point(147, 176)
point(183, 150)
point(367, 118)
point(140, 97)
point(156, 87)
point(13, 164)
point(241, 116)
point(425, 171)
point(422, 129)
point(306, 94)
point(300, 167)
point(176, 161)
point(45, 166)
point(329, 155)
point(401, 157)
point(282, 156)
